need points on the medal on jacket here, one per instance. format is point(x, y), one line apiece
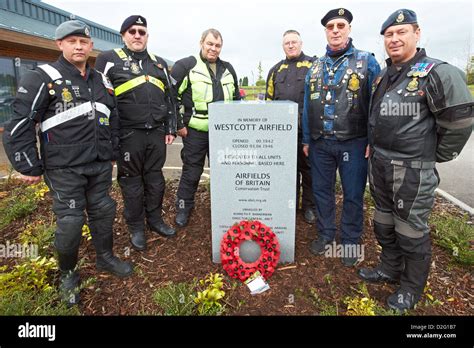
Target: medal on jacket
point(350, 95)
point(356, 100)
point(412, 85)
point(134, 68)
point(328, 95)
point(66, 95)
point(315, 70)
point(126, 64)
point(354, 83)
point(76, 91)
point(51, 90)
point(420, 69)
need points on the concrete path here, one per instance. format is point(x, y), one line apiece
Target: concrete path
point(457, 176)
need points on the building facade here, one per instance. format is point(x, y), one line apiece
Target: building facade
point(27, 30)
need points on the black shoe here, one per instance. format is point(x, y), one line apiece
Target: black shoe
point(112, 264)
point(402, 300)
point(101, 223)
point(69, 287)
point(375, 275)
point(182, 218)
point(162, 228)
point(138, 240)
point(106, 260)
point(318, 246)
point(350, 261)
point(309, 216)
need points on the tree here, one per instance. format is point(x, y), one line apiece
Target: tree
point(260, 80)
point(240, 82)
point(470, 71)
point(245, 81)
point(260, 71)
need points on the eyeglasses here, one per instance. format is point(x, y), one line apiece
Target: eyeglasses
point(134, 31)
point(340, 26)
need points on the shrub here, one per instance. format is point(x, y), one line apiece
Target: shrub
point(176, 299)
point(364, 305)
point(360, 306)
point(21, 202)
point(208, 300)
point(324, 307)
point(30, 275)
point(181, 298)
point(455, 235)
point(39, 235)
point(33, 302)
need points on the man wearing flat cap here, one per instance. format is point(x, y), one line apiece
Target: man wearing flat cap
point(337, 93)
point(75, 109)
point(421, 113)
point(147, 125)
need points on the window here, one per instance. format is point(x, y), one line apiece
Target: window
point(7, 89)
point(22, 66)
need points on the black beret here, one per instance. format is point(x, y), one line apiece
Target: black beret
point(399, 17)
point(132, 20)
point(337, 13)
point(74, 27)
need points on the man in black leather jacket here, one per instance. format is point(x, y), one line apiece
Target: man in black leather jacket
point(421, 113)
point(75, 108)
point(147, 125)
point(285, 81)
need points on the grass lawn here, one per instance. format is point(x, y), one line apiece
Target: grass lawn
point(253, 91)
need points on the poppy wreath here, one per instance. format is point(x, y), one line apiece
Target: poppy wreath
point(249, 231)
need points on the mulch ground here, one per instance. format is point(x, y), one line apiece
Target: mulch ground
point(188, 256)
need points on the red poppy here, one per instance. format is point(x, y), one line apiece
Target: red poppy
point(263, 236)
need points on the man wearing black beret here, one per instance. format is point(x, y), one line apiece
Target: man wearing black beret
point(421, 113)
point(77, 130)
point(147, 124)
point(337, 93)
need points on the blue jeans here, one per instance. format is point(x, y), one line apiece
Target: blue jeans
point(326, 156)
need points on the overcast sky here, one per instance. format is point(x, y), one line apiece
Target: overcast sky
point(252, 29)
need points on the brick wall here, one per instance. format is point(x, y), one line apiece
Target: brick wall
point(32, 53)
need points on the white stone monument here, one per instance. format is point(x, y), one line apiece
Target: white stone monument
point(253, 153)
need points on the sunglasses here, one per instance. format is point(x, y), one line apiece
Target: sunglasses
point(339, 26)
point(134, 31)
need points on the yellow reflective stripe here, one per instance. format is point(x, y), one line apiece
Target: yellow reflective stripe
point(183, 86)
point(124, 87)
point(283, 66)
point(271, 87)
point(305, 63)
point(137, 81)
point(121, 53)
point(156, 82)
